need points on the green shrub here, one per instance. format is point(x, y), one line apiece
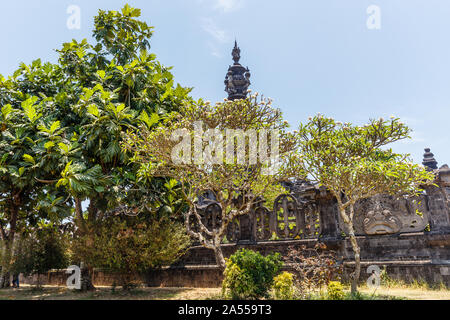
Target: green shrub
point(250, 275)
point(40, 250)
point(284, 286)
point(130, 245)
point(335, 291)
point(238, 283)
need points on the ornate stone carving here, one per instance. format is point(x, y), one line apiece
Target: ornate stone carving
point(384, 214)
point(286, 209)
point(264, 223)
point(380, 221)
point(237, 79)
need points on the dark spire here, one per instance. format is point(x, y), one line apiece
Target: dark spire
point(236, 53)
point(428, 160)
point(237, 79)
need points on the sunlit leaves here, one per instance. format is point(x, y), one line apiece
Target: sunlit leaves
point(101, 74)
point(30, 109)
point(149, 120)
point(29, 159)
point(353, 160)
point(6, 112)
point(64, 147)
point(93, 110)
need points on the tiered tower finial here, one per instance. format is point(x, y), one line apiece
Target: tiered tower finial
point(428, 160)
point(237, 79)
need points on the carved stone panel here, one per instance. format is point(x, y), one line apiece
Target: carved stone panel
point(384, 214)
point(286, 210)
point(264, 223)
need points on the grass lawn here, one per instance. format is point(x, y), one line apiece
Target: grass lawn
point(106, 293)
point(409, 293)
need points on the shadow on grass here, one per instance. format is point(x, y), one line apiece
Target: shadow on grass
point(102, 293)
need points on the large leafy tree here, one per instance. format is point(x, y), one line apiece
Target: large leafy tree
point(118, 85)
point(27, 129)
point(61, 136)
point(354, 163)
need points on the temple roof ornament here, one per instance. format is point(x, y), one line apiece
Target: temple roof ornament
point(237, 79)
point(428, 160)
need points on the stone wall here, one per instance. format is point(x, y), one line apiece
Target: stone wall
point(407, 256)
point(390, 233)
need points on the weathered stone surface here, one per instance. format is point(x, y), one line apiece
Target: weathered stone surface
point(406, 257)
point(390, 232)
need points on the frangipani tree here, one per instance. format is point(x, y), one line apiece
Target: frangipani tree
point(353, 163)
point(197, 148)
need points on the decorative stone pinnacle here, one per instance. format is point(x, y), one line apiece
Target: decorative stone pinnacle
point(428, 160)
point(237, 79)
point(236, 53)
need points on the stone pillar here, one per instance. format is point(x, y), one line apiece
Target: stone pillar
point(329, 216)
point(246, 228)
point(439, 202)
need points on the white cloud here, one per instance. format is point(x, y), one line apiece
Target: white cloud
point(217, 33)
point(228, 5)
point(223, 5)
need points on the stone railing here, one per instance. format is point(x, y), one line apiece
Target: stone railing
point(310, 212)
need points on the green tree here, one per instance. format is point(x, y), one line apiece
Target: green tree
point(237, 184)
point(27, 129)
point(61, 134)
point(130, 245)
point(41, 249)
point(119, 86)
point(353, 163)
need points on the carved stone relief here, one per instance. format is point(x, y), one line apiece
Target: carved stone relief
point(384, 214)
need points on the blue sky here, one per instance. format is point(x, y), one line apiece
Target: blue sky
point(309, 56)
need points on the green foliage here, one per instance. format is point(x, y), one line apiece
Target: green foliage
point(283, 286)
point(335, 290)
point(229, 180)
point(250, 275)
point(41, 250)
point(350, 160)
point(130, 245)
point(62, 124)
point(237, 284)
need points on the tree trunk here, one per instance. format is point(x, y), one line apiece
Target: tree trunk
point(357, 254)
point(5, 277)
point(356, 250)
point(86, 278)
point(86, 272)
point(220, 260)
point(79, 220)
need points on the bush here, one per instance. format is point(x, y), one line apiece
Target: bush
point(335, 291)
point(130, 245)
point(40, 250)
point(249, 275)
point(314, 267)
point(284, 286)
point(237, 282)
